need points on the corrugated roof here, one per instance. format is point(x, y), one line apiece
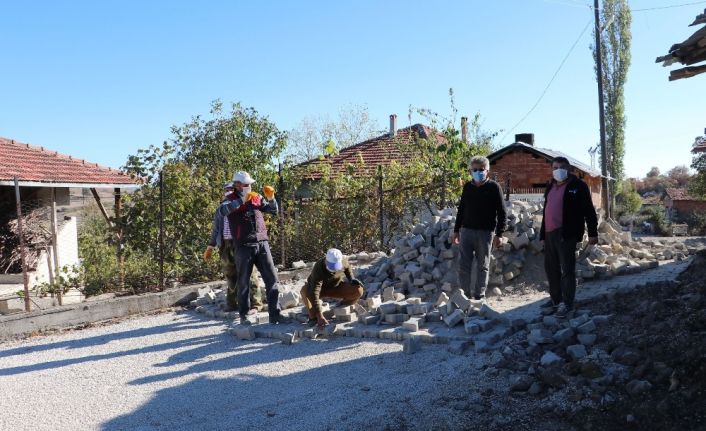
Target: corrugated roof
point(35, 165)
point(381, 150)
point(547, 153)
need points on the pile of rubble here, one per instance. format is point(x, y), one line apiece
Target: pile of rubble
point(424, 261)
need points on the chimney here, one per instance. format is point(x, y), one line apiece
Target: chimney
point(393, 125)
point(464, 129)
point(527, 138)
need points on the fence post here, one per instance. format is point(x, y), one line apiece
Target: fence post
point(119, 236)
point(381, 209)
point(23, 256)
point(161, 229)
point(54, 243)
point(508, 182)
point(282, 239)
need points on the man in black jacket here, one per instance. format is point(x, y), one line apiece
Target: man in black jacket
point(567, 208)
point(480, 212)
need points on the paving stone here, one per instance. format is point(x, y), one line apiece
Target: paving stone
point(369, 319)
point(396, 318)
point(388, 294)
point(243, 332)
point(412, 324)
point(388, 308)
point(417, 309)
point(352, 317)
point(540, 336)
point(460, 299)
point(457, 347)
point(454, 318)
point(412, 345)
point(342, 311)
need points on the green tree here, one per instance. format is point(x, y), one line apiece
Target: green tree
point(615, 38)
point(628, 201)
point(697, 185)
point(201, 155)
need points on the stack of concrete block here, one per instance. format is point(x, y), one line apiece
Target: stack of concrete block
point(424, 264)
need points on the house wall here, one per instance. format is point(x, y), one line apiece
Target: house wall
point(67, 247)
point(686, 207)
point(530, 171)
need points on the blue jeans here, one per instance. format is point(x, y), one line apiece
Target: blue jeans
point(474, 245)
point(258, 255)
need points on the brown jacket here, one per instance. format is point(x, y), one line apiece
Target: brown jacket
point(321, 277)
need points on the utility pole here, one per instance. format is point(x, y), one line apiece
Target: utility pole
point(601, 113)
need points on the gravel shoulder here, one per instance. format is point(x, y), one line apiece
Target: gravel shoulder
point(178, 371)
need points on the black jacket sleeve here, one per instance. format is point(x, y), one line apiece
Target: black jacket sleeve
point(589, 212)
point(459, 213)
point(501, 213)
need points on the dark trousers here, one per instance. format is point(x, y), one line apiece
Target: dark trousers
point(560, 266)
point(258, 255)
point(227, 253)
point(349, 293)
point(475, 246)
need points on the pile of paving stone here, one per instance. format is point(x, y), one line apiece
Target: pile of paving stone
point(424, 261)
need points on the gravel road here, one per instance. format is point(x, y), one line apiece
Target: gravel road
point(179, 371)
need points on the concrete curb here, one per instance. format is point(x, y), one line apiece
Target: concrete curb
point(90, 312)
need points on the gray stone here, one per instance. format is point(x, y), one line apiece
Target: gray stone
point(412, 345)
point(388, 308)
point(550, 358)
point(369, 320)
point(487, 311)
point(298, 264)
point(412, 324)
point(577, 351)
point(564, 336)
point(587, 339)
point(396, 318)
point(587, 327)
point(540, 336)
point(454, 318)
point(460, 299)
point(578, 321)
point(457, 347)
point(521, 383)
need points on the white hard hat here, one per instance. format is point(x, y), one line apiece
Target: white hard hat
point(334, 259)
point(243, 177)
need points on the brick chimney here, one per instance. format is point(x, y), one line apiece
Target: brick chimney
point(527, 138)
point(464, 129)
point(393, 125)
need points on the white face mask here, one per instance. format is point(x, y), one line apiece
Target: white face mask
point(246, 190)
point(225, 195)
point(560, 174)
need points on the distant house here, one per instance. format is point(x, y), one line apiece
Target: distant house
point(46, 180)
point(679, 203)
point(527, 168)
point(699, 145)
point(651, 201)
point(379, 151)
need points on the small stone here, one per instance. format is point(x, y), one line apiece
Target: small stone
point(577, 351)
point(454, 318)
point(564, 336)
point(587, 327)
point(587, 339)
point(412, 345)
point(535, 389)
point(550, 358)
point(521, 383)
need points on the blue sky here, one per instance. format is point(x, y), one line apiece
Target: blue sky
point(98, 80)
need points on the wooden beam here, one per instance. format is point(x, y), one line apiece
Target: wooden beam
point(686, 72)
point(55, 240)
point(100, 206)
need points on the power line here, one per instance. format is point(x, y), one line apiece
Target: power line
point(667, 7)
point(544, 92)
point(579, 3)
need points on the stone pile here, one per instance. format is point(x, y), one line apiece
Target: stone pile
point(423, 263)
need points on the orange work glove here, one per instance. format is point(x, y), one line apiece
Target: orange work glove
point(253, 197)
point(269, 192)
point(207, 254)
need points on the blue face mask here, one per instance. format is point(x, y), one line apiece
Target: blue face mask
point(479, 177)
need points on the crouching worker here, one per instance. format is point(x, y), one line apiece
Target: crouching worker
point(326, 281)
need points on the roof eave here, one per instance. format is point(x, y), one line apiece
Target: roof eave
point(23, 183)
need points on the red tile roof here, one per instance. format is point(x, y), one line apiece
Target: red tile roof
point(37, 164)
point(680, 195)
point(381, 150)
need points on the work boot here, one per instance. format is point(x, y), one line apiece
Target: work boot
point(279, 320)
point(564, 311)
